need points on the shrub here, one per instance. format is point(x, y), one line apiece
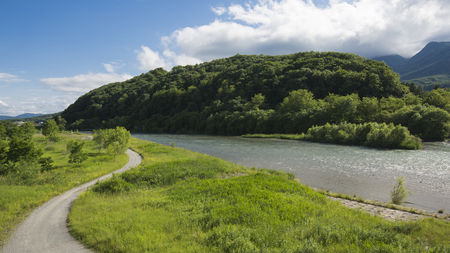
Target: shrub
point(399, 194)
point(112, 185)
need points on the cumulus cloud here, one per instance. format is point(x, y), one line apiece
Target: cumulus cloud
point(365, 27)
point(112, 66)
point(3, 103)
point(219, 10)
point(35, 104)
point(83, 83)
point(8, 78)
point(149, 59)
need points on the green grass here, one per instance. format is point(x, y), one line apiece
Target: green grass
point(21, 193)
point(279, 136)
point(182, 201)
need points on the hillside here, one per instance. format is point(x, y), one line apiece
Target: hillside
point(190, 94)
point(429, 67)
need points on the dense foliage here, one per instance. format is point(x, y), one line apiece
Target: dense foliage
point(368, 134)
point(228, 84)
point(264, 94)
point(18, 149)
point(116, 140)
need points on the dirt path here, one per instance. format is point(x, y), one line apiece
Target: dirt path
point(45, 230)
point(385, 213)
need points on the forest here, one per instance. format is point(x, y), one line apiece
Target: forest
point(247, 94)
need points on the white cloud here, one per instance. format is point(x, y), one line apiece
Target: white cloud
point(366, 27)
point(219, 10)
point(8, 78)
point(149, 60)
point(35, 104)
point(83, 83)
point(3, 103)
point(112, 66)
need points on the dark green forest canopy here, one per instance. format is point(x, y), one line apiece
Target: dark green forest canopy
point(229, 84)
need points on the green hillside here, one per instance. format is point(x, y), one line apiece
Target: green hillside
point(228, 84)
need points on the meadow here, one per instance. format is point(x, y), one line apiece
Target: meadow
point(30, 187)
point(183, 201)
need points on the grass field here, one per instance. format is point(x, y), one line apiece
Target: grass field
point(182, 201)
point(22, 192)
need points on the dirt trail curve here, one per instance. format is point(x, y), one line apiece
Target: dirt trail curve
point(45, 230)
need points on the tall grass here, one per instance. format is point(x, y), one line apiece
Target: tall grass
point(21, 192)
point(179, 201)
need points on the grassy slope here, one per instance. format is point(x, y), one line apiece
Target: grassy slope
point(176, 205)
point(20, 195)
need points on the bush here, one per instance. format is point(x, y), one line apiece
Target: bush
point(112, 185)
point(368, 134)
point(399, 194)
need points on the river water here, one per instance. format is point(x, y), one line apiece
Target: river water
point(369, 173)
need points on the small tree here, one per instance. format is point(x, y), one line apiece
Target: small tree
point(114, 149)
point(51, 130)
point(400, 194)
point(46, 163)
point(22, 150)
point(106, 137)
point(75, 148)
point(61, 122)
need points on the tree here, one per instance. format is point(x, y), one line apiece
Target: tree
point(51, 130)
point(61, 122)
point(3, 151)
point(2, 132)
point(297, 101)
point(75, 148)
point(22, 149)
point(114, 149)
point(106, 137)
point(27, 130)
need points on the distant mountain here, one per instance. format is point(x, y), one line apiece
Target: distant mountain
point(392, 60)
point(32, 117)
point(21, 116)
point(429, 67)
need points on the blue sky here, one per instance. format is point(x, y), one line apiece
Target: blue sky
point(52, 51)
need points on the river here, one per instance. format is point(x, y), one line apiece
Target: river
point(367, 172)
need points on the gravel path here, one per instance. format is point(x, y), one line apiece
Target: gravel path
point(45, 230)
point(385, 213)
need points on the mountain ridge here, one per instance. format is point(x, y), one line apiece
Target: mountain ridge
point(430, 66)
point(21, 116)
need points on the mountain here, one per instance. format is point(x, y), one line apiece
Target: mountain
point(429, 67)
point(392, 60)
point(21, 116)
point(31, 117)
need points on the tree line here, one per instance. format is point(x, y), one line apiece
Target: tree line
point(264, 94)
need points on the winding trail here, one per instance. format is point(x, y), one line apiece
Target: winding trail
point(45, 230)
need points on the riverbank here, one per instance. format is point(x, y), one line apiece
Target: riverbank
point(180, 201)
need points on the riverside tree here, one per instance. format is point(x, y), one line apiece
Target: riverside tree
point(75, 147)
point(51, 130)
point(115, 140)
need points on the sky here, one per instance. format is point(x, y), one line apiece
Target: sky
point(54, 51)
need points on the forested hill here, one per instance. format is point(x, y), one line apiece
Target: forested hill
point(228, 84)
